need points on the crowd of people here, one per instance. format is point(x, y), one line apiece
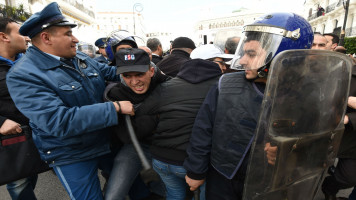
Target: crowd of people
point(194, 111)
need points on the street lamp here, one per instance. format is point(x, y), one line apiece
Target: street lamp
point(342, 35)
point(138, 8)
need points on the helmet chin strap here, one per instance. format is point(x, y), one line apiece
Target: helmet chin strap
point(263, 71)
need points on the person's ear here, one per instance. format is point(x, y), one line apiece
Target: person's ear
point(152, 71)
point(46, 37)
point(4, 37)
point(333, 46)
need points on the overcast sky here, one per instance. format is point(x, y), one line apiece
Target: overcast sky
point(177, 15)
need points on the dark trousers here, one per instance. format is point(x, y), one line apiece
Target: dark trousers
point(344, 177)
point(219, 187)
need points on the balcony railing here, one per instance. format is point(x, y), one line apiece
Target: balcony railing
point(329, 8)
point(80, 7)
point(313, 16)
point(350, 31)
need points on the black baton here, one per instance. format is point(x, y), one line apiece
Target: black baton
point(146, 165)
point(197, 194)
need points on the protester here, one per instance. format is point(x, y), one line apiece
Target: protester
point(12, 46)
point(156, 47)
point(60, 90)
point(352, 104)
point(181, 49)
point(225, 124)
point(344, 175)
point(177, 102)
point(230, 48)
point(231, 44)
point(169, 50)
point(139, 78)
point(148, 51)
point(333, 41)
point(319, 42)
point(138, 189)
point(212, 53)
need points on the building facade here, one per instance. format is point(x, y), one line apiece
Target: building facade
point(327, 16)
point(106, 22)
point(217, 30)
point(80, 12)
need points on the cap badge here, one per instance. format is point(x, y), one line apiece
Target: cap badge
point(130, 57)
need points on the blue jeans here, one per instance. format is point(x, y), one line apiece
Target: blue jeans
point(353, 194)
point(81, 179)
point(23, 189)
point(173, 177)
point(127, 166)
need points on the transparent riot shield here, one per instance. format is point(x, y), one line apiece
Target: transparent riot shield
point(222, 35)
point(302, 116)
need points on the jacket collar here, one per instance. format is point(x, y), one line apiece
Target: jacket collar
point(50, 61)
point(180, 52)
point(10, 62)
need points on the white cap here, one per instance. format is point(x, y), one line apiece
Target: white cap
point(209, 51)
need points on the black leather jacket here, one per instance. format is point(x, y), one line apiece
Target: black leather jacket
point(8, 109)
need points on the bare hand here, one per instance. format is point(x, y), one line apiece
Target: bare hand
point(346, 119)
point(126, 108)
point(271, 153)
point(352, 102)
point(10, 127)
point(353, 59)
point(193, 184)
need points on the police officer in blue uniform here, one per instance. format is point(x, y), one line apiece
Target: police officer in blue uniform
point(103, 58)
point(60, 90)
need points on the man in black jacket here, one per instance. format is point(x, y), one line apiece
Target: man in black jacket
point(156, 47)
point(139, 78)
point(177, 102)
point(344, 175)
point(181, 49)
point(12, 45)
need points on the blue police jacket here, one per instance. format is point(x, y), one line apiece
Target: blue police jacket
point(64, 104)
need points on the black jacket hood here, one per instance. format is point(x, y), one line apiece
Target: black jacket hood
point(198, 70)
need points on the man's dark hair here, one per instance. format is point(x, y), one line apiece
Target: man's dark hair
point(153, 44)
point(231, 44)
point(3, 24)
point(335, 37)
point(252, 36)
point(125, 42)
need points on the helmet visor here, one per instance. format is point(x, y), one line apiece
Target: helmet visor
point(87, 49)
point(255, 50)
point(117, 36)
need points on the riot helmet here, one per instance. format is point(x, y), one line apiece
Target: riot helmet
point(117, 38)
point(87, 48)
point(268, 36)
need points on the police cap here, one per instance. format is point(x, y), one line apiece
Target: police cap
point(51, 15)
